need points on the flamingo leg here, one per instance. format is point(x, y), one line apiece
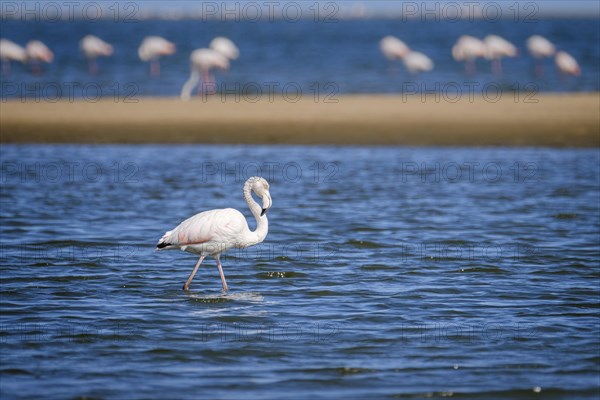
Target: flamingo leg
point(392, 70)
point(186, 286)
point(221, 273)
point(36, 69)
point(93, 66)
point(5, 67)
point(207, 87)
point(497, 67)
point(539, 68)
point(154, 68)
point(470, 67)
point(203, 83)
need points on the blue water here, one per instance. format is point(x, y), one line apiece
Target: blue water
point(282, 57)
point(403, 272)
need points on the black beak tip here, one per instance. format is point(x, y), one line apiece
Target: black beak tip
point(263, 212)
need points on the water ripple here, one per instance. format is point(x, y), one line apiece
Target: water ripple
point(367, 286)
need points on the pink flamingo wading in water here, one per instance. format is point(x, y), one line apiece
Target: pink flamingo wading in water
point(94, 47)
point(204, 61)
point(213, 232)
point(152, 49)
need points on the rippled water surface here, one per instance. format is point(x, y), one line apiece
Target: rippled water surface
point(386, 273)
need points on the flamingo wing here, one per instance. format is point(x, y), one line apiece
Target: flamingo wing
point(12, 51)
point(215, 227)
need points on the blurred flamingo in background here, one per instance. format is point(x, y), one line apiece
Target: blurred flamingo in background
point(94, 47)
point(37, 52)
point(496, 49)
point(203, 61)
point(417, 62)
point(539, 47)
point(566, 64)
point(393, 48)
point(10, 51)
point(468, 49)
point(152, 48)
point(225, 46)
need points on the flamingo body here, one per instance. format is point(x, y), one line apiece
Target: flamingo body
point(213, 232)
point(209, 232)
point(10, 51)
point(208, 59)
point(38, 51)
point(417, 62)
point(540, 47)
point(92, 46)
point(468, 48)
point(566, 64)
point(393, 48)
point(497, 48)
point(154, 47)
point(225, 46)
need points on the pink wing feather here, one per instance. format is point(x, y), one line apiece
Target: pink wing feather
point(217, 226)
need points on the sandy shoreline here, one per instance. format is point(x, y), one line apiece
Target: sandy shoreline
point(569, 120)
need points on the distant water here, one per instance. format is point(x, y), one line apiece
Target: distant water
point(387, 273)
point(303, 57)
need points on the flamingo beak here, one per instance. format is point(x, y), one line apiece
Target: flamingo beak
point(267, 203)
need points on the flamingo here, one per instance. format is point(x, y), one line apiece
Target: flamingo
point(566, 64)
point(393, 48)
point(10, 51)
point(213, 232)
point(417, 62)
point(205, 60)
point(539, 47)
point(94, 47)
point(152, 48)
point(468, 49)
point(225, 46)
point(496, 49)
point(37, 52)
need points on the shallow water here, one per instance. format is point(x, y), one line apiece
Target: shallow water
point(401, 272)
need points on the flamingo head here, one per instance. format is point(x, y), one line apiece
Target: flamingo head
point(260, 187)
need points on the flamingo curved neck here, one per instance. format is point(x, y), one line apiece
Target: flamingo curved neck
point(186, 90)
point(262, 224)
